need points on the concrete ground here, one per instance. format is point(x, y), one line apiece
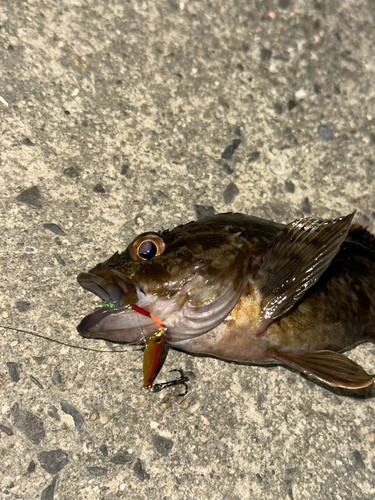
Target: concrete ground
point(115, 118)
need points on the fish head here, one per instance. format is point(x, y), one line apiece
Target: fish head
point(190, 278)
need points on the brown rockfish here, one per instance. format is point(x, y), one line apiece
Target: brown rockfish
point(246, 289)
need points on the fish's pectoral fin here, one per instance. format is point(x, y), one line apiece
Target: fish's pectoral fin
point(329, 367)
point(297, 258)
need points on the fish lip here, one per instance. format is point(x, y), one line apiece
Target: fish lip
point(108, 324)
point(105, 290)
point(85, 325)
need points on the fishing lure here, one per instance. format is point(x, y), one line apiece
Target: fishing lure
point(153, 356)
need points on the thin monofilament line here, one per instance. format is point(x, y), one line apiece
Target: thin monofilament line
point(66, 344)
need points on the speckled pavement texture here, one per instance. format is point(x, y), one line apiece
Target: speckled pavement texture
point(118, 117)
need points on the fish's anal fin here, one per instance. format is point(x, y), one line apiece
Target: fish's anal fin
point(329, 367)
point(297, 258)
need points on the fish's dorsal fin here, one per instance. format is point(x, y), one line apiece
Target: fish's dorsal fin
point(297, 258)
point(329, 367)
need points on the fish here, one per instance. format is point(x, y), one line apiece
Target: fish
point(245, 289)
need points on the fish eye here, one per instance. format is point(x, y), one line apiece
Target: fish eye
point(147, 246)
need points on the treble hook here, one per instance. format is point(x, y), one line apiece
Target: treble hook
point(163, 385)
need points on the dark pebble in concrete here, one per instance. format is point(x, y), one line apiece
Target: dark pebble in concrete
point(39, 360)
point(53, 461)
point(56, 378)
point(121, 457)
point(22, 305)
point(291, 104)
point(99, 189)
point(227, 169)
point(72, 410)
point(54, 413)
point(229, 150)
point(162, 445)
point(231, 191)
point(306, 208)
point(97, 471)
point(284, 4)
point(14, 371)
point(54, 228)
point(27, 142)
point(278, 108)
point(253, 156)
point(289, 186)
point(6, 430)
point(141, 474)
point(59, 259)
point(31, 467)
point(265, 55)
point(36, 382)
point(324, 133)
point(317, 89)
point(203, 211)
point(357, 459)
point(48, 493)
point(371, 137)
point(104, 450)
point(227, 153)
point(28, 423)
point(71, 172)
point(31, 197)
point(124, 169)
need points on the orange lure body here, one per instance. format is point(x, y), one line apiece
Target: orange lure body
point(152, 357)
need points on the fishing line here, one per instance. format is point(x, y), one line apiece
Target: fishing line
point(143, 337)
point(66, 344)
point(44, 337)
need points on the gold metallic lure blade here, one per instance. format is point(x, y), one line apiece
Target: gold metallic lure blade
point(151, 357)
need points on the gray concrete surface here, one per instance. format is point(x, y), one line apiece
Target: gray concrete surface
point(117, 113)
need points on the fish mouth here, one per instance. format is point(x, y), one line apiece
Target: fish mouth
point(190, 313)
point(116, 322)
